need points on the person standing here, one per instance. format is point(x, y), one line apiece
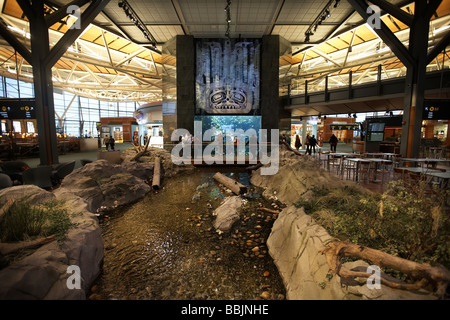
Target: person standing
point(333, 143)
point(312, 144)
point(308, 149)
point(106, 141)
point(111, 143)
point(298, 144)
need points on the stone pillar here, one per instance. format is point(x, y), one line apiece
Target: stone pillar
point(185, 54)
point(270, 102)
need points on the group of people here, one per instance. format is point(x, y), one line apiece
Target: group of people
point(109, 142)
point(311, 143)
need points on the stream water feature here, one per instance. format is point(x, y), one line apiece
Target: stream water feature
point(165, 247)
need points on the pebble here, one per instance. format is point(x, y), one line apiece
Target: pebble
point(265, 295)
point(266, 273)
point(95, 296)
point(255, 249)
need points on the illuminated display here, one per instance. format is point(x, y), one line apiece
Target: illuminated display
point(17, 109)
point(227, 76)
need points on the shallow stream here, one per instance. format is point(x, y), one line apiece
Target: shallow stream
point(165, 246)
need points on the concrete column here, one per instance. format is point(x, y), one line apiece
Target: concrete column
point(185, 53)
point(270, 102)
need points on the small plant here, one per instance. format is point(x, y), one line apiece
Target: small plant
point(406, 222)
point(23, 221)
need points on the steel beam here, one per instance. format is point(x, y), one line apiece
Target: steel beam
point(71, 35)
point(385, 34)
point(394, 11)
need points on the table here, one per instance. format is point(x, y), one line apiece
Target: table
point(387, 155)
point(443, 177)
point(337, 155)
point(422, 160)
point(358, 161)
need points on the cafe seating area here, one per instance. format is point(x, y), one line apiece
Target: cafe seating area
point(44, 176)
point(374, 170)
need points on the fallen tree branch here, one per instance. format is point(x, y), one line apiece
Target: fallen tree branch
point(268, 210)
point(7, 248)
point(431, 278)
point(255, 167)
point(156, 181)
point(236, 187)
point(290, 149)
point(141, 153)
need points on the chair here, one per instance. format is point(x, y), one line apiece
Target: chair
point(399, 174)
point(350, 168)
point(40, 176)
point(14, 169)
point(5, 181)
point(364, 170)
point(63, 170)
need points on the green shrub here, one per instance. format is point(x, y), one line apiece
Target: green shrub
point(23, 221)
point(404, 221)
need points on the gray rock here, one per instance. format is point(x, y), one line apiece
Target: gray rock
point(32, 194)
point(103, 184)
point(295, 243)
point(227, 213)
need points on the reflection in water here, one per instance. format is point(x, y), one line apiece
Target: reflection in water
point(165, 247)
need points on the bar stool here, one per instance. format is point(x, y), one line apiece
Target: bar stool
point(364, 170)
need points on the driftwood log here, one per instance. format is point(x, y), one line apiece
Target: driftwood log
point(431, 278)
point(140, 151)
point(234, 186)
point(7, 248)
point(156, 182)
point(255, 167)
point(268, 210)
point(291, 149)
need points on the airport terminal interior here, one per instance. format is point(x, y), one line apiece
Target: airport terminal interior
point(185, 149)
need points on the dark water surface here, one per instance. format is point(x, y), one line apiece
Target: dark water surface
point(165, 246)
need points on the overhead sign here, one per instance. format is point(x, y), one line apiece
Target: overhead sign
point(438, 109)
point(344, 126)
point(17, 109)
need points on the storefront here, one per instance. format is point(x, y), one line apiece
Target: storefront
point(149, 125)
point(119, 128)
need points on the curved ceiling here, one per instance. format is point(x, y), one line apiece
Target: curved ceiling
point(115, 60)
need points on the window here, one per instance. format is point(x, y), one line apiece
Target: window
point(17, 127)
point(30, 127)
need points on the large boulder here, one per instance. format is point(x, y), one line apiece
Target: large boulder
point(295, 244)
point(169, 168)
point(107, 185)
point(227, 213)
point(296, 175)
point(43, 273)
point(31, 193)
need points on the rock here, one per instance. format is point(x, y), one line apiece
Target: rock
point(227, 213)
point(105, 185)
point(266, 273)
point(265, 295)
point(295, 244)
point(295, 176)
point(31, 193)
point(43, 274)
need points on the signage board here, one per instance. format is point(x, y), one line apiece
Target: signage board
point(436, 109)
point(16, 109)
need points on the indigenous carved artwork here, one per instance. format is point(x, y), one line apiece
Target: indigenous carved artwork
point(227, 76)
